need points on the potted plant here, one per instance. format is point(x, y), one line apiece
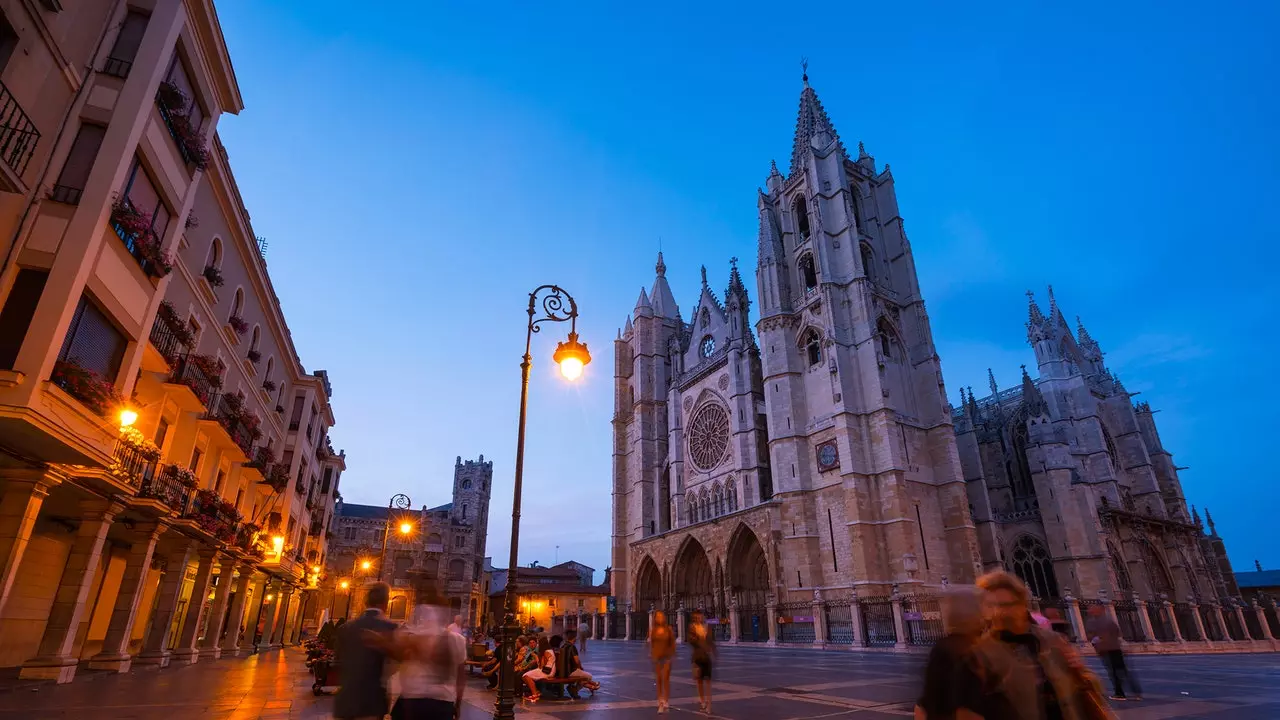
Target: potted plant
point(238, 324)
point(254, 356)
point(88, 387)
point(269, 385)
point(128, 220)
point(213, 276)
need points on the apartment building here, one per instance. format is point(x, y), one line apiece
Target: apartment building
point(166, 474)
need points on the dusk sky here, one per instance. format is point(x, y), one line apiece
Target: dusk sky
point(418, 168)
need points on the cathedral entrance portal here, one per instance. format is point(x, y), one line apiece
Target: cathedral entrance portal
point(693, 585)
point(648, 587)
point(749, 584)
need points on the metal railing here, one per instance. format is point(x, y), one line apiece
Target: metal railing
point(1127, 619)
point(1160, 626)
point(795, 622)
point(165, 339)
point(838, 617)
point(189, 373)
point(878, 629)
point(132, 463)
point(225, 414)
point(921, 619)
point(165, 487)
point(18, 134)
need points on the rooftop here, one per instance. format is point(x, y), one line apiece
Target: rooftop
point(1258, 579)
point(377, 512)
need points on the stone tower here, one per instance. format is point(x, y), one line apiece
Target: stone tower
point(472, 485)
point(859, 425)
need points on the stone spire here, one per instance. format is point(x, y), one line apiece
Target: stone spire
point(735, 279)
point(991, 380)
point(1035, 320)
point(642, 303)
point(704, 276)
point(1031, 396)
point(1209, 520)
point(973, 404)
point(1087, 344)
point(1195, 517)
point(664, 303)
point(1054, 312)
point(626, 329)
point(811, 121)
point(770, 243)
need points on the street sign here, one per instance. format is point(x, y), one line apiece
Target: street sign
point(611, 604)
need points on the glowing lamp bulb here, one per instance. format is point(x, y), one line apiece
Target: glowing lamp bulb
point(405, 528)
point(269, 597)
point(344, 584)
point(277, 543)
point(316, 569)
point(571, 368)
point(366, 565)
point(128, 417)
point(571, 356)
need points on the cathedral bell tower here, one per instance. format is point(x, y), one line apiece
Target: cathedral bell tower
point(856, 408)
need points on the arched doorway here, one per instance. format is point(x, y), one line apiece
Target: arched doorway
point(694, 583)
point(748, 577)
point(1031, 562)
point(1157, 577)
point(648, 586)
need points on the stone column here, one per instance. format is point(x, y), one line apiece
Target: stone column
point(1262, 621)
point(1199, 621)
point(155, 647)
point(1076, 619)
point(1244, 627)
point(19, 508)
point(735, 622)
point(209, 646)
point(627, 617)
point(300, 617)
point(771, 607)
point(819, 621)
point(270, 610)
point(600, 631)
point(1144, 620)
point(231, 640)
point(1222, 622)
point(54, 660)
point(682, 625)
point(115, 646)
point(283, 600)
point(1172, 619)
point(899, 627)
point(259, 610)
point(855, 616)
point(187, 651)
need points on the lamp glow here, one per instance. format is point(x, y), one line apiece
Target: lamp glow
point(316, 569)
point(277, 543)
point(344, 584)
point(406, 528)
point(365, 565)
point(572, 356)
point(128, 417)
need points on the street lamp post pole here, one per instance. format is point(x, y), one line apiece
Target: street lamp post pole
point(401, 501)
point(556, 306)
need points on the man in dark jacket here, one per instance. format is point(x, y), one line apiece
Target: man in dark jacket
point(1104, 634)
point(362, 694)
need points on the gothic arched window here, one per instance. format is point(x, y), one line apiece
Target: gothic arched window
point(731, 495)
point(808, 274)
point(812, 346)
point(692, 511)
point(1032, 563)
point(237, 303)
point(801, 212)
point(1156, 574)
point(888, 340)
point(1120, 569)
point(706, 506)
point(717, 501)
point(868, 261)
point(1111, 448)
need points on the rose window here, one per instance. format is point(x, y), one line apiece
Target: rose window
point(708, 437)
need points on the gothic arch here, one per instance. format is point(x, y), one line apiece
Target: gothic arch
point(1159, 580)
point(1030, 560)
point(731, 494)
point(750, 578)
point(648, 585)
point(868, 261)
point(1119, 569)
point(693, 582)
point(1110, 445)
point(809, 340)
point(890, 341)
point(808, 270)
point(800, 210)
point(717, 499)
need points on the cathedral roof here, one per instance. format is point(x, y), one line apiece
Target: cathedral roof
point(661, 299)
point(811, 121)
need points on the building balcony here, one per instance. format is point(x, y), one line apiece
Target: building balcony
point(228, 412)
point(199, 375)
point(133, 464)
point(170, 340)
point(213, 516)
point(277, 478)
point(316, 529)
point(18, 138)
point(172, 486)
point(134, 230)
point(260, 462)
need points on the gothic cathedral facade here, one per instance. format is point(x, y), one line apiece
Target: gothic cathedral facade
point(815, 454)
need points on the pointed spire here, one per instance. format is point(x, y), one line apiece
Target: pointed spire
point(973, 404)
point(626, 329)
point(735, 279)
point(991, 380)
point(811, 120)
point(642, 303)
point(661, 267)
point(1086, 342)
point(664, 303)
point(1054, 312)
point(862, 150)
point(1031, 396)
point(704, 276)
point(773, 168)
point(1209, 521)
point(1035, 320)
point(769, 242)
point(1195, 517)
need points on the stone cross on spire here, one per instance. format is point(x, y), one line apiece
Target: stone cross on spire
point(704, 275)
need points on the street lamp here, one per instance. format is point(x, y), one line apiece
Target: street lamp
point(572, 356)
point(398, 501)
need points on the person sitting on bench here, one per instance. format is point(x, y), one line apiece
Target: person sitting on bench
point(569, 665)
point(546, 667)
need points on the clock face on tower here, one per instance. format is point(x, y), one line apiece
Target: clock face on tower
point(828, 456)
point(708, 346)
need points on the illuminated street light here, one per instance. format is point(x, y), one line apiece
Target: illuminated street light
point(128, 417)
point(398, 501)
point(406, 528)
point(365, 564)
point(572, 356)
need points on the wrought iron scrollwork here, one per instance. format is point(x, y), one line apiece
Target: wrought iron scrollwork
point(400, 501)
point(552, 300)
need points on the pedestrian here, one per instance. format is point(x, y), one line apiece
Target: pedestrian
point(1027, 671)
point(1104, 634)
point(456, 625)
point(662, 649)
point(431, 669)
point(703, 655)
point(584, 634)
point(361, 693)
point(951, 685)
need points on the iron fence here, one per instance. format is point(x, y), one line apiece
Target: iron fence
point(132, 463)
point(1234, 629)
point(1161, 629)
point(1209, 616)
point(753, 622)
point(921, 619)
point(191, 373)
point(18, 134)
point(838, 614)
point(166, 487)
point(639, 625)
point(1063, 621)
point(795, 622)
point(878, 629)
point(1127, 618)
point(1186, 617)
point(617, 625)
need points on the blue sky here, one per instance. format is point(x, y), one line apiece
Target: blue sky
point(417, 171)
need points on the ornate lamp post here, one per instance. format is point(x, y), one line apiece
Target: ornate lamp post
point(571, 356)
point(399, 501)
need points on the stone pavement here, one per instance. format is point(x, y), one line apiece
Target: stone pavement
point(752, 683)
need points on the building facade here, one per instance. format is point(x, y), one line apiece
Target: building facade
point(444, 547)
point(1071, 487)
point(166, 477)
point(552, 598)
point(815, 454)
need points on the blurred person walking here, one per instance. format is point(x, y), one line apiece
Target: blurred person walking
point(662, 649)
point(703, 655)
point(361, 664)
point(952, 688)
point(1104, 634)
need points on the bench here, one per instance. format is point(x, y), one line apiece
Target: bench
point(560, 683)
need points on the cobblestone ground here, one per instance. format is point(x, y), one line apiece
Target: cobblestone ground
point(751, 684)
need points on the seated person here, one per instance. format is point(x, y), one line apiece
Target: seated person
point(569, 665)
point(546, 665)
point(490, 669)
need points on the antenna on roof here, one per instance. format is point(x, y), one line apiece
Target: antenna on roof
point(262, 247)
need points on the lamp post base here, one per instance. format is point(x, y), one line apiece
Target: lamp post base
point(504, 705)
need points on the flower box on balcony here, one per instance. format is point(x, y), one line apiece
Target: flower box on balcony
point(269, 385)
point(254, 356)
point(172, 487)
point(213, 276)
point(175, 110)
point(237, 323)
point(134, 229)
point(85, 385)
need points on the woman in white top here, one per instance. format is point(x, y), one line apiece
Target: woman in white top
point(432, 676)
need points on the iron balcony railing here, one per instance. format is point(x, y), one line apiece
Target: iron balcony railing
point(18, 134)
point(261, 459)
point(166, 487)
point(225, 414)
point(132, 463)
point(188, 373)
point(165, 339)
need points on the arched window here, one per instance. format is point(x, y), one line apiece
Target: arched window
point(1161, 584)
point(808, 274)
point(1111, 448)
point(706, 505)
point(237, 303)
point(466, 484)
point(399, 607)
point(271, 363)
point(1121, 570)
point(731, 495)
point(853, 205)
point(464, 512)
point(1032, 563)
point(812, 346)
point(868, 261)
point(215, 254)
point(717, 501)
point(255, 338)
point(888, 340)
point(801, 211)
point(692, 511)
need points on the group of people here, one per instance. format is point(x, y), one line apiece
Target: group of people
point(999, 661)
point(662, 650)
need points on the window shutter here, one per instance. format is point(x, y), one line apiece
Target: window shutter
point(75, 172)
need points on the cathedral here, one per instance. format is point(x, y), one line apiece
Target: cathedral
point(815, 456)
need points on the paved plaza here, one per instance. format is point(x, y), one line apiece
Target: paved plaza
point(753, 683)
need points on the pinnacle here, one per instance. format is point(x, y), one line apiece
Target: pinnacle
point(661, 267)
point(1033, 310)
point(810, 120)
